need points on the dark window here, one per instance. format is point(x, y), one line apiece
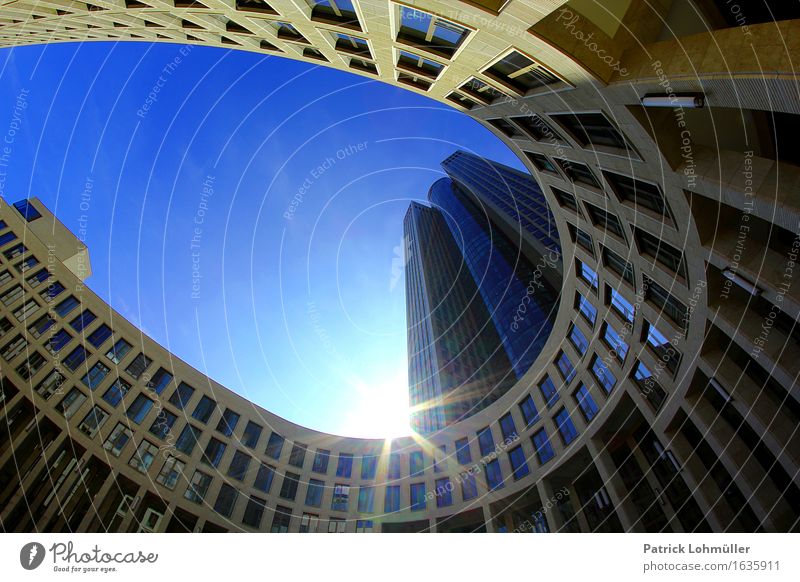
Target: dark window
point(506, 128)
point(392, 500)
point(586, 309)
point(252, 432)
point(581, 238)
point(619, 304)
point(27, 210)
point(226, 500)
point(585, 402)
point(519, 465)
point(83, 320)
point(204, 409)
point(75, 358)
point(603, 374)
point(180, 398)
point(188, 439)
point(99, 336)
point(444, 492)
point(95, 375)
point(619, 265)
point(549, 391)
point(281, 520)
point(579, 173)
point(430, 33)
point(289, 485)
point(118, 351)
point(53, 290)
point(314, 493)
point(320, 464)
point(213, 453)
point(565, 426)
point(641, 195)
point(417, 497)
point(366, 499)
point(662, 299)
point(605, 220)
point(254, 512)
point(613, 340)
point(139, 408)
point(163, 423)
point(661, 347)
point(485, 441)
point(494, 476)
point(538, 129)
point(369, 466)
point(520, 73)
point(66, 306)
point(394, 469)
point(239, 465)
point(541, 443)
point(298, 455)
point(416, 463)
point(264, 477)
point(338, 12)
point(159, 381)
point(274, 446)
point(578, 339)
point(345, 466)
point(591, 129)
point(58, 340)
point(541, 162)
point(469, 488)
point(340, 497)
point(419, 65)
point(463, 454)
point(565, 199)
point(586, 273)
point(508, 428)
point(647, 385)
point(352, 45)
point(669, 257)
point(137, 367)
point(227, 422)
point(481, 91)
point(528, 409)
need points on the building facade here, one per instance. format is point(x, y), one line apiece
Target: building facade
point(666, 396)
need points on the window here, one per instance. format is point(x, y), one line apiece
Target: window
point(459, 99)
point(394, 470)
point(226, 499)
point(188, 439)
point(444, 492)
point(298, 455)
point(50, 385)
point(15, 251)
point(539, 130)
point(416, 463)
point(662, 299)
point(541, 444)
point(32, 364)
point(7, 237)
point(34, 280)
point(336, 525)
point(239, 465)
point(505, 127)
point(14, 348)
point(26, 264)
point(12, 295)
point(585, 402)
point(565, 426)
point(254, 512)
point(603, 374)
point(430, 33)
point(519, 465)
point(93, 421)
point(652, 391)
point(541, 162)
point(668, 256)
point(281, 519)
point(213, 453)
point(204, 409)
point(320, 464)
point(244, 5)
point(341, 497)
point(118, 351)
point(163, 424)
point(274, 446)
point(618, 265)
point(392, 500)
point(345, 466)
point(287, 31)
point(613, 340)
point(27, 210)
point(171, 472)
point(116, 392)
point(117, 440)
point(586, 309)
point(565, 367)
point(579, 173)
point(581, 238)
point(369, 466)
point(40, 326)
point(53, 290)
point(605, 220)
point(419, 65)
point(520, 73)
point(508, 428)
point(252, 432)
point(66, 306)
point(418, 497)
point(83, 320)
point(338, 12)
point(640, 195)
point(469, 488)
point(198, 487)
point(264, 477)
point(314, 492)
point(482, 91)
point(463, 454)
point(99, 336)
point(289, 486)
point(659, 344)
point(621, 305)
point(364, 526)
point(548, 389)
point(227, 423)
point(75, 358)
point(485, 441)
point(58, 340)
point(352, 45)
point(309, 523)
point(139, 409)
point(366, 499)
point(587, 274)
point(591, 129)
point(363, 65)
point(494, 476)
point(144, 456)
point(26, 310)
point(159, 381)
point(137, 367)
point(578, 339)
point(528, 409)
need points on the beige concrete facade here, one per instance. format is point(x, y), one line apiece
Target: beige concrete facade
point(708, 443)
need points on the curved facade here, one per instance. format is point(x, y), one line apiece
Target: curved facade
point(673, 407)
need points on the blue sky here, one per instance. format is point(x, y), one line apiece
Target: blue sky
point(292, 179)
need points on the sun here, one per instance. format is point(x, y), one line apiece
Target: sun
point(381, 409)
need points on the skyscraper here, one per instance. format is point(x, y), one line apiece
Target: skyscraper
point(479, 310)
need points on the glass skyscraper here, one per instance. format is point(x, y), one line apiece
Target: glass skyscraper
point(479, 309)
